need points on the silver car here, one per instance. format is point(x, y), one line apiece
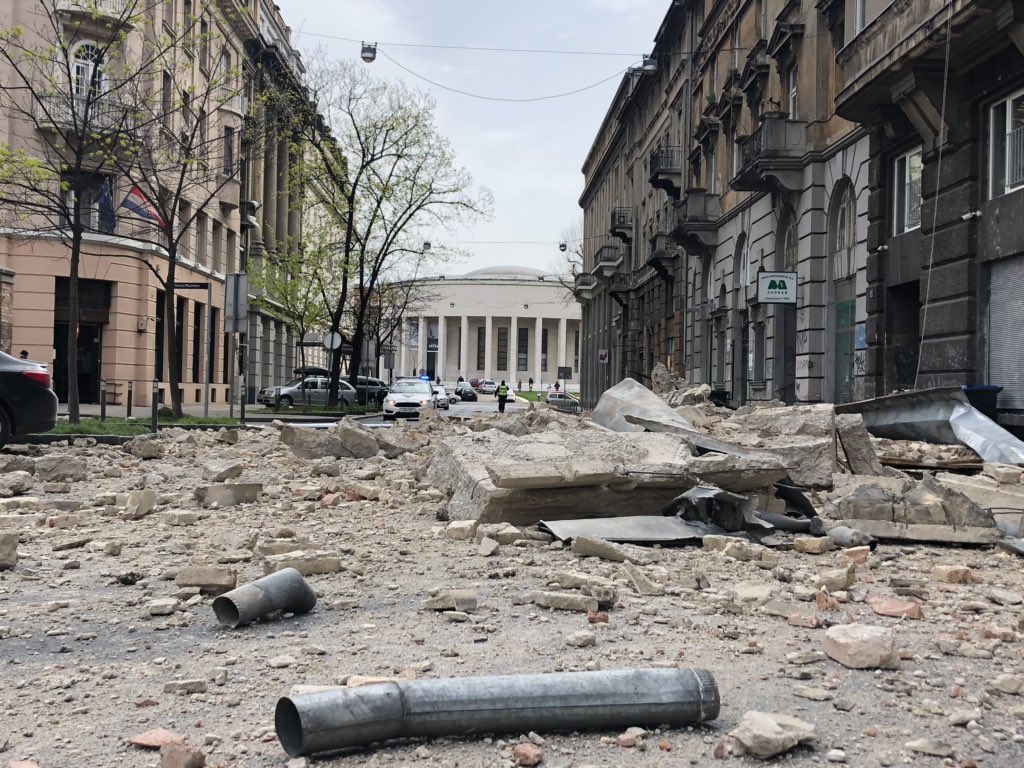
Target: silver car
point(312, 390)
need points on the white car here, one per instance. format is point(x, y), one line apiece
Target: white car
point(409, 398)
point(563, 401)
point(488, 387)
point(443, 401)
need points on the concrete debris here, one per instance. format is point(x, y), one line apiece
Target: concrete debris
point(664, 381)
point(144, 447)
point(8, 550)
point(208, 580)
point(308, 562)
point(229, 494)
point(219, 471)
point(585, 546)
point(860, 646)
point(765, 734)
point(59, 469)
point(630, 397)
point(452, 600)
point(563, 601)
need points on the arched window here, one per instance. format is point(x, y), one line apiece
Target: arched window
point(843, 231)
point(788, 242)
point(87, 78)
point(740, 268)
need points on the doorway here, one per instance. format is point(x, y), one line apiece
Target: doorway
point(90, 337)
point(845, 322)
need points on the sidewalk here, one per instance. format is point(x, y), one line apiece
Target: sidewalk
point(217, 410)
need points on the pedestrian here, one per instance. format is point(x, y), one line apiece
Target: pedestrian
point(502, 396)
point(519, 386)
point(531, 385)
point(556, 386)
point(23, 354)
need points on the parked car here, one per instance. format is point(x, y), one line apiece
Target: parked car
point(563, 401)
point(488, 387)
point(27, 402)
point(465, 392)
point(442, 396)
point(371, 390)
point(475, 383)
point(409, 398)
point(311, 390)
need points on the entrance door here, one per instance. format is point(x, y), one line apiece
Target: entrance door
point(785, 353)
point(88, 357)
point(845, 323)
point(739, 366)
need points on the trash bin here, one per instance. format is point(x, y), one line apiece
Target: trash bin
point(984, 397)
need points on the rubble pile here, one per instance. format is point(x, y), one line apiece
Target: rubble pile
point(835, 632)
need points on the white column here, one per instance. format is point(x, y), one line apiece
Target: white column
point(402, 342)
point(539, 334)
point(488, 345)
point(421, 350)
point(561, 342)
point(513, 349)
point(464, 366)
point(442, 346)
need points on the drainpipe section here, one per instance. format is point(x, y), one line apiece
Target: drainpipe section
point(284, 590)
point(604, 700)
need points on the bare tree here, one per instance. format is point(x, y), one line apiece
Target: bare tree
point(570, 260)
point(67, 92)
point(387, 177)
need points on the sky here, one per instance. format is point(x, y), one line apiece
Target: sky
point(529, 154)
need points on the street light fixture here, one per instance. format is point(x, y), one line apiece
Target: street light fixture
point(369, 53)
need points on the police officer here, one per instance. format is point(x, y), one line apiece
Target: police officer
point(502, 396)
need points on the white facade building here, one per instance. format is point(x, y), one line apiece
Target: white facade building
point(511, 323)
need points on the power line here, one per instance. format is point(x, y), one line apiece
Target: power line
point(475, 47)
point(500, 98)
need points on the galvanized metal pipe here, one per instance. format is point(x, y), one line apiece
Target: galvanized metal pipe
point(283, 590)
point(606, 700)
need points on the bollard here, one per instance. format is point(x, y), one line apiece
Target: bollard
point(156, 406)
point(103, 399)
point(129, 401)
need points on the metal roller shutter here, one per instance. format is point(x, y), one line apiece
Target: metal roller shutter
point(1005, 316)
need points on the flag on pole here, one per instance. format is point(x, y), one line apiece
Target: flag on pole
point(137, 202)
point(105, 203)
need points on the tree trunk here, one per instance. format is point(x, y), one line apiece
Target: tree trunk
point(335, 377)
point(74, 412)
point(171, 345)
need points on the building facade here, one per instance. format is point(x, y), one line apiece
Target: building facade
point(511, 323)
point(121, 335)
point(721, 159)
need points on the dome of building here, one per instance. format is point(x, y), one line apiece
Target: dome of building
point(507, 273)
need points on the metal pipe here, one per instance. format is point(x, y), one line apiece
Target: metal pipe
point(606, 700)
point(283, 590)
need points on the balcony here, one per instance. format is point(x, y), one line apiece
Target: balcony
point(584, 287)
point(104, 11)
point(66, 114)
point(622, 224)
point(697, 217)
point(661, 254)
point(607, 260)
point(619, 288)
point(772, 156)
point(888, 62)
point(667, 170)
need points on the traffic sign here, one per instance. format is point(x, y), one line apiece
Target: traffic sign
point(332, 341)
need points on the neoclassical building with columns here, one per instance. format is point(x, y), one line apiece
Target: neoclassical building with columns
point(511, 323)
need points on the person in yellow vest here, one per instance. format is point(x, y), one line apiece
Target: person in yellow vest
point(502, 396)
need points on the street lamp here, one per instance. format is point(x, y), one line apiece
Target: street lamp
point(369, 53)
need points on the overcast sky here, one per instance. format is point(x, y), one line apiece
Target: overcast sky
point(528, 154)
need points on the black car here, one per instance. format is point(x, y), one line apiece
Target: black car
point(27, 402)
point(465, 392)
point(371, 390)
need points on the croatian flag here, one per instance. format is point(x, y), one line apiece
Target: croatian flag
point(136, 202)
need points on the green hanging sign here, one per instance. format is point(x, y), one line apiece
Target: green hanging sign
point(776, 287)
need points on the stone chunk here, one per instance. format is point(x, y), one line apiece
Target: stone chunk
point(8, 550)
point(209, 580)
point(307, 562)
point(527, 754)
point(861, 646)
point(935, 747)
point(460, 530)
point(219, 471)
point(527, 476)
point(139, 504)
point(357, 439)
point(588, 546)
point(899, 609)
point(185, 686)
point(155, 738)
point(954, 574)
point(503, 533)
point(1003, 473)
point(144, 447)
point(563, 601)
point(453, 600)
point(163, 606)
point(765, 734)
point(836, 580)
point(488, 547)
point(641, 583)
point(229, 494)
point(16, 483)
point(180, 755)
point(812, 545)
point(227, 436)
point(60, 469)
point(177, 517)
point(582, 639)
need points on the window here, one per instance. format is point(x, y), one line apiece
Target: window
point(576, 352)
point(907, 188)
point(712, 181)
point(158, 351)
point(204, 45)
point(481, 348)
point(189, 25)
point(1007, 155)
point(96, 204)
point(844, 226)
point(184, 225)
point(231, 251)
point(201, 134)
point(225, 364)
point(758, 373)
point(169, 12)
point(522, 348)
point(88, 82)
point(543, 349)
point(211, 359)
point(197, 341)
point(502, 349)
point(792, 93)
point(167, 100)
point(229, 151)
point(218, 246)
point(202, 240)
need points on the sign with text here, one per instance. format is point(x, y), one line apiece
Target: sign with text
point(191, 286)
point(776, 287)
point(236, 303)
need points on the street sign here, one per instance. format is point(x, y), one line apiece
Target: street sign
point(602, 356)
point(236, 303)
point(564, 372)
point(190, 286)
point(776, 287)
point(332, 341)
